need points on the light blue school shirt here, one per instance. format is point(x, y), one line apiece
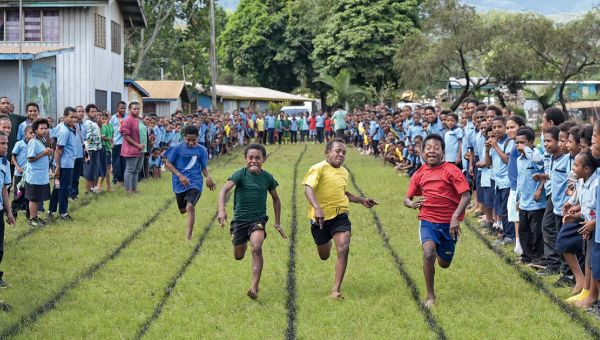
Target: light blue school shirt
point(451, 139)
point(37, 171)
point(320, 121)
point(416, 130)
point(436, 128)
point(4, 177)
point(79, 140)
point(66, 138)
point(587, 197)
point(20, 153)
point(560, 167)
point(526, 186)
point(270, 122)
point(21, 129)
point(499, 168)
point(115, 121)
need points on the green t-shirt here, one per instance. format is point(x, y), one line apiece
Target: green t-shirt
point(143, 135)
point(340, 120)
point(108, 132)
point(286, 123)
point(250, 195)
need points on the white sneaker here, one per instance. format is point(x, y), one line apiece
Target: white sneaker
point(518, 250)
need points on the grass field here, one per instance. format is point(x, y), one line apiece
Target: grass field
point(123, 269)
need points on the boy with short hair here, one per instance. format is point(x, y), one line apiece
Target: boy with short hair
point(37, 180)
point(188, 162)
point(325, 187)
point(250, 209)
point(445, 193)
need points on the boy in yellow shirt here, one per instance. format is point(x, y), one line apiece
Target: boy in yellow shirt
point(325, 187)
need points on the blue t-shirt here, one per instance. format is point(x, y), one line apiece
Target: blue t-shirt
point(37, 171)
point(560, 167)
point(512, 168)
point(320, 121)
point(4, 176)
point(270, 122)
point(115, 121)
point(416, 130)
point(20, 153)
point(78, 140)
point(155, 162)
point(499, 168)
point(21, 129)
point(189, 162)
point(436, 128)
point(526, 186)
point(451, 139)
point(66, 137)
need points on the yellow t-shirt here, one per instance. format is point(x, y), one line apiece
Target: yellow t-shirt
point(227, 129)
point(260, 124)
point(329, 184)
point(399, 154)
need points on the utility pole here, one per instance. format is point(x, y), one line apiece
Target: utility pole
point(213, 55)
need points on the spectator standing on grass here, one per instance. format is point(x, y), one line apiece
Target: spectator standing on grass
point(79, 153)
point(19, 155)
point(135, 136)
point(107, 132)
point(320, 125)
point(37, 179)
point(65, 161)
point(325, 187)
point(118, 162)
point(445, 195)
point(339, 118)
point(5, 209)
point(188, 161)
point(270, 126)
point(93, 148)
point(250, 209)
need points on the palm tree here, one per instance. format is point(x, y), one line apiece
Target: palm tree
point(342, 90)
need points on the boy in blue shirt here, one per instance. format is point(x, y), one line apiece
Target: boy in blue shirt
point(155, 163)
point(65, 162)
point(531, 198)
point(188, 163)
point(4, 202)
point(37, 181)
point(453, 139)
point(19, 155)
point(497, 155)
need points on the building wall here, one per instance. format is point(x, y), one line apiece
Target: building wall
point(9, 86)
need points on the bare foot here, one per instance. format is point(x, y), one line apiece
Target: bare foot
point(337, 296)
point(430, 302)
point(585, 303)
point(576, 290)
point(252, 293)
point(189, 237)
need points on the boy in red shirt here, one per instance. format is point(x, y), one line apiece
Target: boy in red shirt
point(445, 195)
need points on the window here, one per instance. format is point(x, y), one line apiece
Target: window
point(39, 25)
point(99, 31)
point(115, 98)
point(115, 37)
point(50, 26)
point(33, 25)
point(101, 99)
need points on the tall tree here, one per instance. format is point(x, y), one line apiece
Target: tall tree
point(568, 50)
point(250, 43)
point(452, 43)
point(361, 35)
point(342, 90)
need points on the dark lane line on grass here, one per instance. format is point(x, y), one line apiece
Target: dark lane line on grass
point(145, 327)
point(51, 303)
point(410, 282)
point(537, 283)
point(34, 230)
point(83, 204)
point(290, 305)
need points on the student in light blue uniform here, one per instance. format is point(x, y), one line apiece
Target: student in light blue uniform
point(37, 179)
point(453, 138)
point(19, 155)
point(531, 197)
point(5, 208)
point(416, 129)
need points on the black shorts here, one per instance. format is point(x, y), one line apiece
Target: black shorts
point(189, 196)
point(37, 193)
point(240, 230)
point(340, 223)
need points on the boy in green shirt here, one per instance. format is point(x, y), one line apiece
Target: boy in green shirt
point(250, 209)
point(106, 135)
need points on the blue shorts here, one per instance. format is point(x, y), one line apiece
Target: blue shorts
point(439, 233)
point(596, 261)
point(569, 240)
point(480, 197)
point(501, 201)
point(488, 197)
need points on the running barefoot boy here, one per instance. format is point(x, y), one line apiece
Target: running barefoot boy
point(250, 209)
point(325, 186)
point(188, 162)
point(445, 195)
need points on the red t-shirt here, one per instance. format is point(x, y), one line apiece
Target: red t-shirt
point(312, 123)
point(441, 187)
point(328, 125)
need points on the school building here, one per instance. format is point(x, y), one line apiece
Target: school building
point(65, 53)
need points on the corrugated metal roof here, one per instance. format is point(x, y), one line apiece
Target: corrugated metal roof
point(163, 89)
point(254, 93)
point(32, 52)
